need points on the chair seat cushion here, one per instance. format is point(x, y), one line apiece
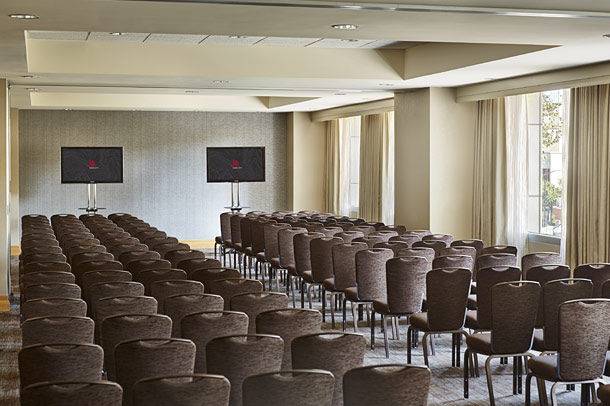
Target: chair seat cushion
point(381, 307)
point(291, 270)
point(351, 294)
point(544, 366)
point(237, 246)
point(472, 302)
point(307, 277)
point(538, 343)
point(329, 284)
point(218, 240)
point(419, 321)
point(480, 343)
point(260, 257)
point(248, 251)
point(275, 263)
point(607, 371)
point(471, 320)
point(603, 393)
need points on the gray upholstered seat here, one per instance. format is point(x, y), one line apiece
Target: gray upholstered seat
point(185, 390)
point(147, 278)
point(53, 307)
point(178, 306)
point(57, 330)
point(161, 290)
point(177, 256)
point(253, 304)
point(55, 289)
point(227, 288)
point(72, 393)
point(289, 387)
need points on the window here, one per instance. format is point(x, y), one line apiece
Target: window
point(547, 130)
point(350, 133)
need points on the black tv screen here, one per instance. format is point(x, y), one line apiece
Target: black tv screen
point(92, 165)
point(232, 164)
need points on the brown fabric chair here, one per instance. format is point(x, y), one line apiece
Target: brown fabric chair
point(91, 278)
point(370, 279)
point(494, 260)
point(185, 390)
point(227, 288)
point(80, 249)
point(349, 236)
point(446, 238)
point(139, 359)
point(135, 267)
point(40, 249)
point(151, 242)
point(57, 330)
point(446, 297)
point(117, 329)
point(333, 352)
point(177, 256)
point(51, 307)
point(513, 319)
point(453, 261)
point(289, 324)
point(542, 275)
point(409, 239)
point(45, 277)
point(476, 244)
point(285, 239)
point(252, 304)
point(536, 259)
point(208, 275)
point(344, 269)
point(202, 327)
point(85, 257)
point(366, 230)
point(597, 273)
point(60, 362)
point(240, 356)
point(147, 278)
point(436, 245)
point(122, 305)
point(111, 289)
point(425, 252)
point(391, 385)
point(395, 246)
point(161, 290)
point(127, 257)
point(499, 249)
point(118, 249)
point(179, 306)
point(371, 240)
point(43, 258)
point(47, 290)
point(322, 273)
point(271, 255)
point(554, 293)
point(72, 393)
point(66, 245)
point(405, 282)
point(46, 266)
point(302, 259)
point(191, 265)
point(583, 342)
point(95, 266)
point(295, 388)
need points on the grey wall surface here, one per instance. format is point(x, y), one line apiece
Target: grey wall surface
point(164, 164)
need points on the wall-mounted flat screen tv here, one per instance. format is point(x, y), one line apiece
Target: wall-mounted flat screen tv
point(236, 164)
point(92, 165)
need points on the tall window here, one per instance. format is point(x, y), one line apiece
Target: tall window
point(547, 130)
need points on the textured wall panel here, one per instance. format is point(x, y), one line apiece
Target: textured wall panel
point(164, 164)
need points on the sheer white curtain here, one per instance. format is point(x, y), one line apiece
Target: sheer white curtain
point(348, 127)
point(387, 188)
point(516, 171)
point(564, 172)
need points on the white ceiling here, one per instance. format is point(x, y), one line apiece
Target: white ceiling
point(292, 42)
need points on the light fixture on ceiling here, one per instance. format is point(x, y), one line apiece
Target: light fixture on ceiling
point(340, 94)
point(32, 89)
point(28, 76)
point(386, 84)
point(237, 36)
point(606, 35)
point(191, 91)
point(220, 82)
point(349, 40)
point(345, 26)
point(116, 34)
point(23, 16)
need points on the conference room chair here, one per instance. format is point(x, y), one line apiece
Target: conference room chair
point(252, 304)
point(48, 290)
point(499, 249)
point(190, 265)
point(486, 278)
point(111, 289)
point(97, 265)
point(79, 249)
point(543, 274)
point(459, 250)
point(474, 243)
point(119, 216)
point(86, 241)
point(152, 241)
point(60, 362)
point(286, 258)
point(127, 257)
point(117, 329)
point(597, 273)
point(108, 275)
point(371, 239)
point(195, 389)
point(271, 256)
point(494, 260)
point(390, 385)
point(446, 238)
point(140, 359)
point(147, 278)
point(165, 248)
point(436, 245)
point(322, 268)
point(405, 285)
point(333, 352)
point(329, 231)
point(122, 305)
point(45, 277)
point(446, 297)
point(245, 226)
point(370, 279)
point(555, 293)
point(395, 246)
point(425, 252)
point(82, 258)
point(289, 324)
point(583, 342)
point(453, 261)
point(53, 307)
point(148, 233)
point(179, 306)
point(141, 265)
point(119, 249)
point(162, 289)
point(47, 241)
point(345, 225)
point(207, 275)
point(397, 228)
point(202, 327)
point(257, 249)
point(227, 288)
point(72, 393)
point(408, 239)
point(224, 239)
point(349, 236)
point(536, 259)
point(40, 249)
point(177, 256)
point(302, 260)
point(421, 233)
point(116, 237)
point(289, 387)
point(344, 272)
point(57, 330)
point(240, 356)
point(513, 319)
point(43, 258)
point(364, 229)
point(236, 242)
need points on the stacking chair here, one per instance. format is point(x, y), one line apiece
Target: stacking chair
point(119, 249)
point(48, 290)
point(349, 236)
point(79, 249)
point(50, 266)
point(93, 277)
point(513, 319)
point(425, 252)
point(302, 260)
point(191, 265)
point(536, 259)
point(227, 288)
point(151, 242)
point(583, 342)
point(236, 242)
point(390, 385)
point(395, 246)
point(257, 250)
point(366, 230)
point(96, 266)
point(45, 277)
point(196, 389)
point(459, 250)
point(271, 255)
point(502, 259)
point(85, 257)
point(454, 261)
point(60, 362)
point(405, 283)
point(139, 359)
point(252, 304)
point(117, 329)
point(476, 244)
point(127, 257)
point(54, 306)
point(142, 265)
point(408, 239)
point(72, 393)
point(286, 387)
point(177, 256)
point(597, 273)
point(160, 290)
point(446, 238)
point(202, 327)
point(122, 305)
point(499, 249)
point(179, 306)
point(208, 275)
point(57, 330)
point(225, 234)
point(41, 249)
point(371, 240)
point(333, 352)
point(43, 258)
point(329, 231)
point(147, 278)
point(112, 289)
point(289, 324)
point(322, 267)
point(344, 269)
point(543, 274)
point(240, 356)
point(286, 257)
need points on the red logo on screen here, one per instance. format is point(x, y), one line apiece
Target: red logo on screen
point(91, 164)
point(235, 164)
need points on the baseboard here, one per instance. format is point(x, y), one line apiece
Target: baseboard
point(199, 244)
point(5, 306)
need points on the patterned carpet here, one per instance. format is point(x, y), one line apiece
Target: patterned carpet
point(446, 381)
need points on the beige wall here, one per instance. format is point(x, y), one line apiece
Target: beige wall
point(306, 155)
point(14, 185)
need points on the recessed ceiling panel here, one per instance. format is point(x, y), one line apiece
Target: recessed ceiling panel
point(241, 40)
point(340, 43)
point(176, 38)
point(58, 35)
point(286, 41)
point(118, 36)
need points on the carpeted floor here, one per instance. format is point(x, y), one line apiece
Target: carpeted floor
point(446, 381)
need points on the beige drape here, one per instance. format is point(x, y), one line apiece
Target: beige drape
point(489, 197)
point(332, 175)
point(373, 155)
point(588, 183)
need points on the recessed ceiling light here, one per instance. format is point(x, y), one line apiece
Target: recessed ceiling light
point(220, 82)
point(28, 76)
point(386, 84)
point(116, 34)
point(349, 40)
point(345, 26)
point(340, 94)
point(22, 16)
point(191, 91)
point(237, 36)
point(606, 35)
point(32, 89)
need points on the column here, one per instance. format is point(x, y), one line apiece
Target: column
point(4, 194)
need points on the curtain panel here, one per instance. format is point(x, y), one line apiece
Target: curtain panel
point(588, 183)
point(332, 173)
point(373, 156)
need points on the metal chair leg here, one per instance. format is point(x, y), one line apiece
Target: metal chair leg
point(409, 337)
point(344, 312)
point(554, 394)
point(332, 310)
point(424, 346)
point(490, 388)
point(355, 317)
point(467, 360)
point(384, 321)
point(373, 330)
